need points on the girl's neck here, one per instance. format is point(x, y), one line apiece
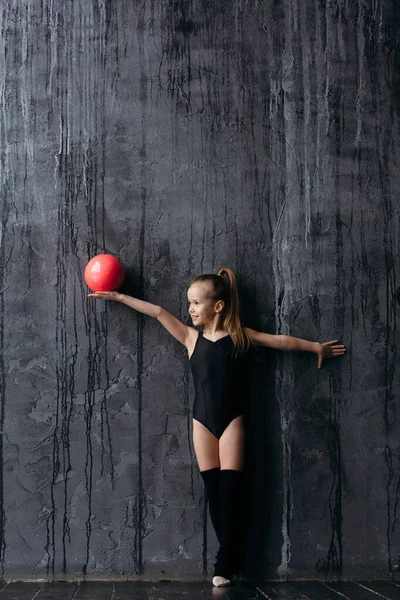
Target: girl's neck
point(213, 331)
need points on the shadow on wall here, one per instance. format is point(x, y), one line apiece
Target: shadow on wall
point(263, 497)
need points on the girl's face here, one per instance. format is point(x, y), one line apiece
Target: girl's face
point(202, 308)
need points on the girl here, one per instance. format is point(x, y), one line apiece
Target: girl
point(216, 355)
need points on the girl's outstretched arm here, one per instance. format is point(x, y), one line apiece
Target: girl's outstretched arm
point(287, 342)
point(179, 330)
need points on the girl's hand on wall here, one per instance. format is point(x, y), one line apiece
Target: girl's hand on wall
point(327, 350)
point(105, 295)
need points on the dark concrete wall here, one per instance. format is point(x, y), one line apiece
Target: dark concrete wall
point(185, 136)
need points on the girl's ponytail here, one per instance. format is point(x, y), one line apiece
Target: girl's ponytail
point(231, 318)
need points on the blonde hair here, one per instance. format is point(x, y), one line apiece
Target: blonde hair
point(223, 287)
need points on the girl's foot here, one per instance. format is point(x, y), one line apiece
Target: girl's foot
point(219, 581)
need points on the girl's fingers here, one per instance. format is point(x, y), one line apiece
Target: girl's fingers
point(333, 342)
point(327, 343)
point(103, 295)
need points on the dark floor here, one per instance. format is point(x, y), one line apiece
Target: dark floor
point(354, 590)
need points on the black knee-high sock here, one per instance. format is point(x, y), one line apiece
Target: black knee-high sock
point(230, 493)
point(211, 482)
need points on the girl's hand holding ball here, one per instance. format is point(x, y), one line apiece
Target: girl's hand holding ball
point(106, 295)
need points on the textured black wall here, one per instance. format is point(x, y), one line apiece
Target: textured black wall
point(185, 136)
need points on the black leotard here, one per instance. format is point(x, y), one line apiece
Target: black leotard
point(219, 383)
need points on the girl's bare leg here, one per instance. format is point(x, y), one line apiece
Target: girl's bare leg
point(232, 445)
point(205, 446)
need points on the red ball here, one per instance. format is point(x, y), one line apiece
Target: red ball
point(104, 273)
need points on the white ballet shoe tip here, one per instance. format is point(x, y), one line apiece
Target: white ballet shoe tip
point(219, 581)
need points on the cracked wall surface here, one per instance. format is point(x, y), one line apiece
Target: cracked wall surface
point(184, 136)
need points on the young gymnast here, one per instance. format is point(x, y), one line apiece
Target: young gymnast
point(216, 356)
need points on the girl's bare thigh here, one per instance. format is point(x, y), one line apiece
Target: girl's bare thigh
point(206, 447)
point(232, 445)
point(226, 453)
